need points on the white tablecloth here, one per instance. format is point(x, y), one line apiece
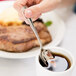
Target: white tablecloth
point(26, 67)
point(69, 41)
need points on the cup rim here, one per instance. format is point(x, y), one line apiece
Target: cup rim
point(72, 65)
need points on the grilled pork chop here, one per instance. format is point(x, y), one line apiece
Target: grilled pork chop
point(22, 38)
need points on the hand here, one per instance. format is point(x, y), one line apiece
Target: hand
point(35, 7)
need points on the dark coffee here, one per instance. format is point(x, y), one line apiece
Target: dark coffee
point(62, 63)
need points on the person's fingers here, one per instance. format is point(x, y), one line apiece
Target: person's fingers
point(30, 2)
point(32, 11)
point(22, 17)
point(22, 2)
point(35, 10)
point(19, 4)
point(33, 19)
point(38, 1)
point(36, 17)
point(42, 7)
point(33, 2)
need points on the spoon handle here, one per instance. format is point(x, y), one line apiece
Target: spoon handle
point(35, 31)
point(33, 28)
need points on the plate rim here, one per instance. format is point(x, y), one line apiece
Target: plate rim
point(56, 44)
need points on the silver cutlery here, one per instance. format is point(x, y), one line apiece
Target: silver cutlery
point(45, 54)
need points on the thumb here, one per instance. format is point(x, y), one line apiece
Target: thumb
point(33, 11)
point(41, 8)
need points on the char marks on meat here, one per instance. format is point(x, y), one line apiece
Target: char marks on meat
point(22, 38)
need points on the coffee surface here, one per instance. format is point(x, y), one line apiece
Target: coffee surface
point(61, 61)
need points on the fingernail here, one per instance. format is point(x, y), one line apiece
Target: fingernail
point(28, 13)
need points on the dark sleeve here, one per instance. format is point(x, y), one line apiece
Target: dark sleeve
point(75, 8)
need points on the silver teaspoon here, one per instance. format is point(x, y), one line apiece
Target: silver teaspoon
point(45, 54)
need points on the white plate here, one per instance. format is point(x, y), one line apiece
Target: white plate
point(57, 30)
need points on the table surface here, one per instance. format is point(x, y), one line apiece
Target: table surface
point(26, 67)
point(69, 41)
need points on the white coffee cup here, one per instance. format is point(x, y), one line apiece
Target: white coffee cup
point(41, 71)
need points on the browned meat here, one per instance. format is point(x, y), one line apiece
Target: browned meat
point(21, 38)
